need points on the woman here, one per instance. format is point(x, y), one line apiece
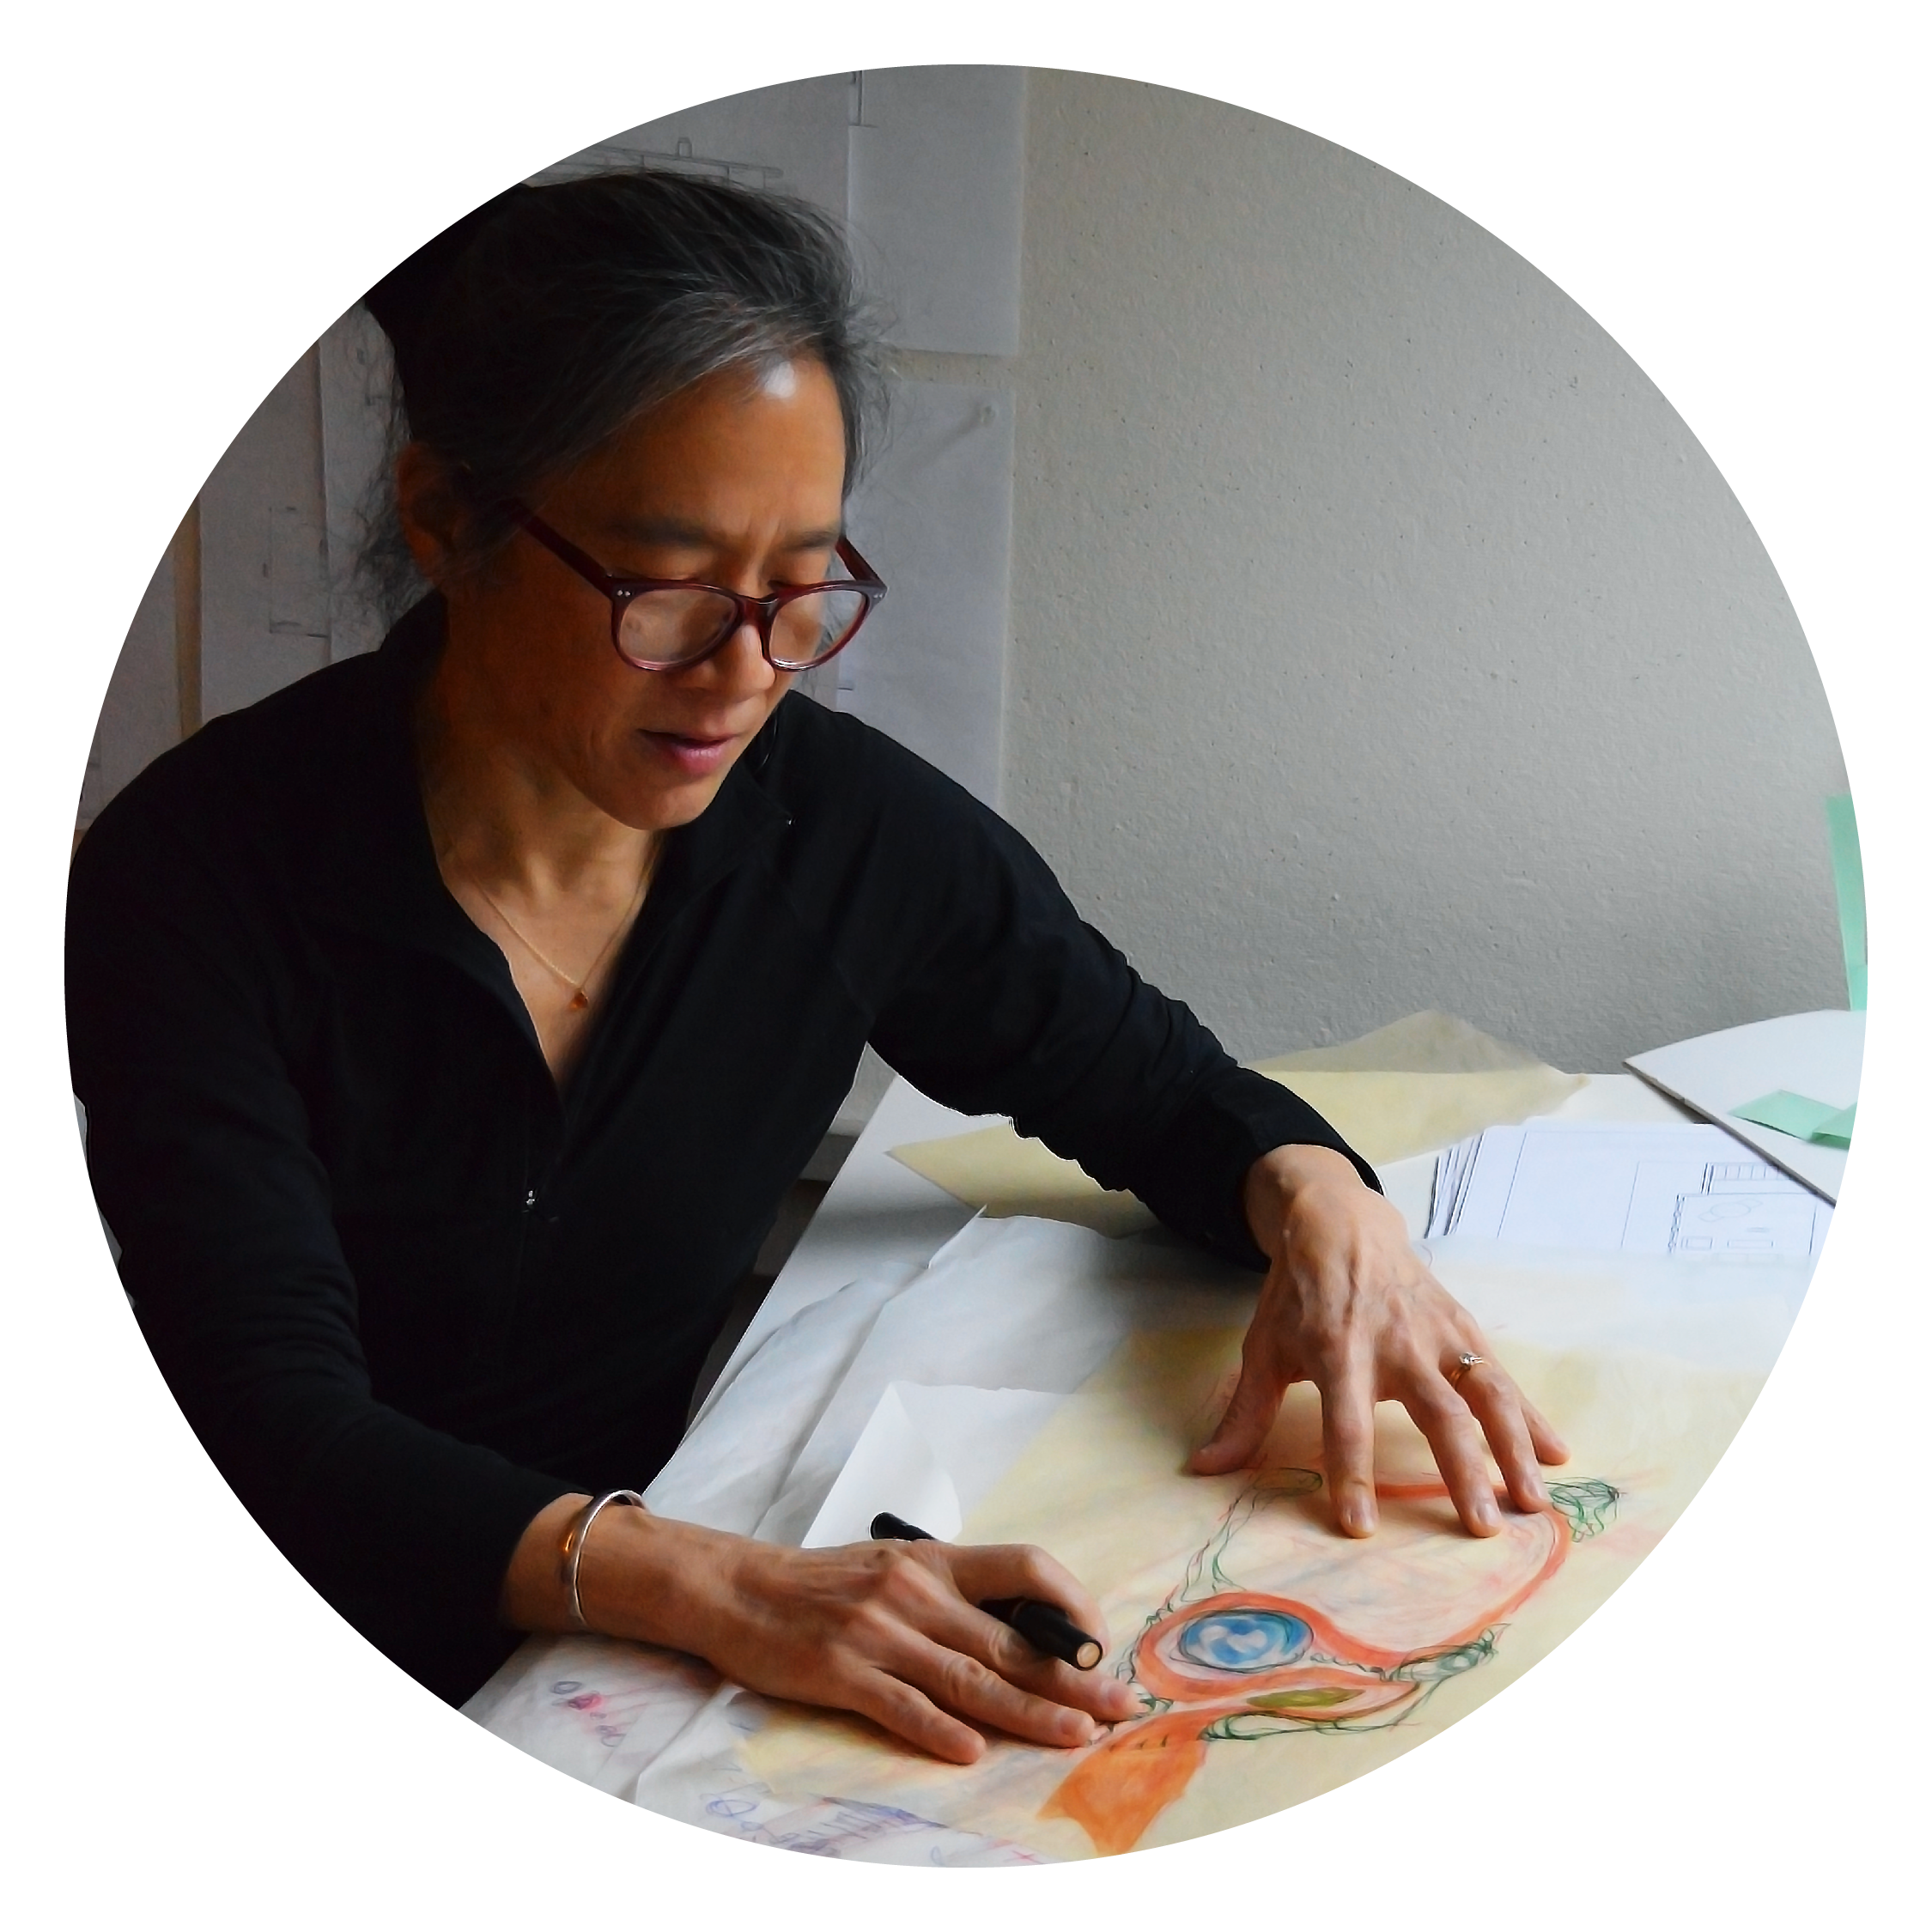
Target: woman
point(451, 1022)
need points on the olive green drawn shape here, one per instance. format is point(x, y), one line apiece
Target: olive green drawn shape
point(1848, 874)
point(1303, 1700)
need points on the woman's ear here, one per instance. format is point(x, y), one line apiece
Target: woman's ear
point(432, 511)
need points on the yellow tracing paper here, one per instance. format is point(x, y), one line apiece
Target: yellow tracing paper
point(1276, 1659)
point(1385, 1115)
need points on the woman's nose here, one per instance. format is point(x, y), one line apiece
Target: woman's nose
point(739, 667)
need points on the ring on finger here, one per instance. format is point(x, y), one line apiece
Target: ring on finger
point(1463, 1363)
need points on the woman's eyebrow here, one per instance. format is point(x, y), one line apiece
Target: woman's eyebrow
point(695, 536)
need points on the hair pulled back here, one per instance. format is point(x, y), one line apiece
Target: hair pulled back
point(538, 327)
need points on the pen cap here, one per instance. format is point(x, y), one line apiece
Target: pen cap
point(1047, 1627)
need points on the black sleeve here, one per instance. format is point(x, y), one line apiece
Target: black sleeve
point(199, 1151)
point(1011, 1003)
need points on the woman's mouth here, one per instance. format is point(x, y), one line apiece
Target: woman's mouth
point(694, 755)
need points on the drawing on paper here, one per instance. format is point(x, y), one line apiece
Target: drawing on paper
point(1745, 1208)
point(1230, 1657)
point(842, 1828)
point(1275, 1659)
point(1674, 1189)
point(606, 1715)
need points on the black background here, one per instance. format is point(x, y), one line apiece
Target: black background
point(182, 266)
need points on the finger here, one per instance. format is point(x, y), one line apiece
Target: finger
point(1456, 1442)
point(1493, 1399)
point(967, 1688)
point(908, 1713)
point(1550, 1447)
point(975, 1633)
point(1348, 1445)
point(1245, 1422)
point(981, 1572)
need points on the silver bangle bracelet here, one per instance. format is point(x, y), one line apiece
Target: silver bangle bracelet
point(573, 1547)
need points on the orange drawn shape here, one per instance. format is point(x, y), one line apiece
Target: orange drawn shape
point(1126, 1784)
point(1119, 1789)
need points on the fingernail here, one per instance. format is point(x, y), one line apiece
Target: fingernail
point(1357, 1515)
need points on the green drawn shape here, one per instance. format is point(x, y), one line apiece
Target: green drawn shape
point(1586, 1506)
point(1804, 1119)
point(1848, 874)
point(1303, 1700)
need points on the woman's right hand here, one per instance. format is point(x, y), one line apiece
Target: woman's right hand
point(891, 1630)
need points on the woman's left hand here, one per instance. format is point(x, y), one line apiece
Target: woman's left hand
point(1348, 1305)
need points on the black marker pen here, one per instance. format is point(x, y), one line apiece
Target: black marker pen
point(1046, 1626)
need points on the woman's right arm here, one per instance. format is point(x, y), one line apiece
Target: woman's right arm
point(438, 1550)
point(891, 1630)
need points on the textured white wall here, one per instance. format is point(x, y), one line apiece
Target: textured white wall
point(1381, 637)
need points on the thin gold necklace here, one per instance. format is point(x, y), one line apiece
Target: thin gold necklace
point(580, 998)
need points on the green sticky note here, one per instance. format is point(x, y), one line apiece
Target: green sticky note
point(1816, 1120)
point(1848, 874)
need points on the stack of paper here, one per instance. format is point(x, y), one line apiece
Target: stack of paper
point(1663, 1190)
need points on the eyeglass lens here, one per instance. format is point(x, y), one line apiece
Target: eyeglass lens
point(671, 626)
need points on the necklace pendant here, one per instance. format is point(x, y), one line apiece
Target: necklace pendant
point(578, 1001)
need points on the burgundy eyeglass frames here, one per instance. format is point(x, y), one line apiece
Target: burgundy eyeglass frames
point(670, 625)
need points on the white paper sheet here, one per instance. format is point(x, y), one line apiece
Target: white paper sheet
point(892, 1467)
point(1005, 1303)
point(934, 518)
point(1816, 1055)
point(928, 1455)
point(1677, 1190)
point(936, 184)
point(733, 1461)
point(792, 138)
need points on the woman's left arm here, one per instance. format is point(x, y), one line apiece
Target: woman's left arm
point(1348, 1305)
point(993, 996)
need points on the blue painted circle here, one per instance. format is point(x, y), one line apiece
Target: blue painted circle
point(1244, 1640)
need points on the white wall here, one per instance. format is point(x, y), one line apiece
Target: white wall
point(1381, 637)
point(1378, 637)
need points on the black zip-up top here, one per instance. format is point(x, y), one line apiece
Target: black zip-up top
point(407, 1291)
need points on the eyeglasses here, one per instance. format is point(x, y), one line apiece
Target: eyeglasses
point(671, 623)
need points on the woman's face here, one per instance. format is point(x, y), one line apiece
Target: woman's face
point(739, 480)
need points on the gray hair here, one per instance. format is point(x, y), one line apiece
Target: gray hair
point(539, 326)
